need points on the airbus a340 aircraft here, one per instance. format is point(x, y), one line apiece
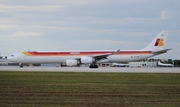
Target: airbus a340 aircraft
point(74, 58)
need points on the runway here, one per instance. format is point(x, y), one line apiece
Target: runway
point(86, 69)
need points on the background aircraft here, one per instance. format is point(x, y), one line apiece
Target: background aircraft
point(92, 57)
point(164, 65)
point(120, 65)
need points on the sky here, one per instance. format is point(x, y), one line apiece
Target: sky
point(63, 25)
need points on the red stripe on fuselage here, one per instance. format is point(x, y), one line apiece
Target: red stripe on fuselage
point(34, 53)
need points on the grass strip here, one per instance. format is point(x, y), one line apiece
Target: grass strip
point(51, 89)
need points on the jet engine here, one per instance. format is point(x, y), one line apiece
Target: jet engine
point(71, 62)
point(87, 60)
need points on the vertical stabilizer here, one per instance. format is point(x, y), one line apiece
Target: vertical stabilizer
point(159, 42)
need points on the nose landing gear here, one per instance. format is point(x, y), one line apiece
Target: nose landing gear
point(21, 65)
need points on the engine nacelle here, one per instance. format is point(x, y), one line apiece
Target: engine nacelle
point(71, 62)
point(87, 60)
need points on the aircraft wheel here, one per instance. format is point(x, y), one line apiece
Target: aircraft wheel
point(93, 66)
point(21, 65)
point(96, 66)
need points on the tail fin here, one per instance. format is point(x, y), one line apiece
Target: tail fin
point(159, 42)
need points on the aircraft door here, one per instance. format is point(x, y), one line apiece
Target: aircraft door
point(21, 57)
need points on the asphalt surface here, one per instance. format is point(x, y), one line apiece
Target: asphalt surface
point(87, 69)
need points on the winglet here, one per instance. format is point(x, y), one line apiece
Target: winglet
point(116, 52)
point(104, 56)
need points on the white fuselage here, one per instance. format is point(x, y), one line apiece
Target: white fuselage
point(122, 56)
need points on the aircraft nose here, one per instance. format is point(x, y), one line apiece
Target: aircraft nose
point(10, 58)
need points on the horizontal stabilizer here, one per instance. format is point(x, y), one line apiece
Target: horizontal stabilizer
point(160, 51)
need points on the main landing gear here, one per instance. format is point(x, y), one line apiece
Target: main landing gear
point(93, 66)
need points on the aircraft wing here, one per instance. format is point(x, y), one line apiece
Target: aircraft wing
point(104, 56)
point(160, 51)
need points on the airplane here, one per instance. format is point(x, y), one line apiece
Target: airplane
point(164, 65)
point(92, 57)
point(120, 65)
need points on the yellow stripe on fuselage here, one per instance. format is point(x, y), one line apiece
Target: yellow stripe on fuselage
point(84, 53)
